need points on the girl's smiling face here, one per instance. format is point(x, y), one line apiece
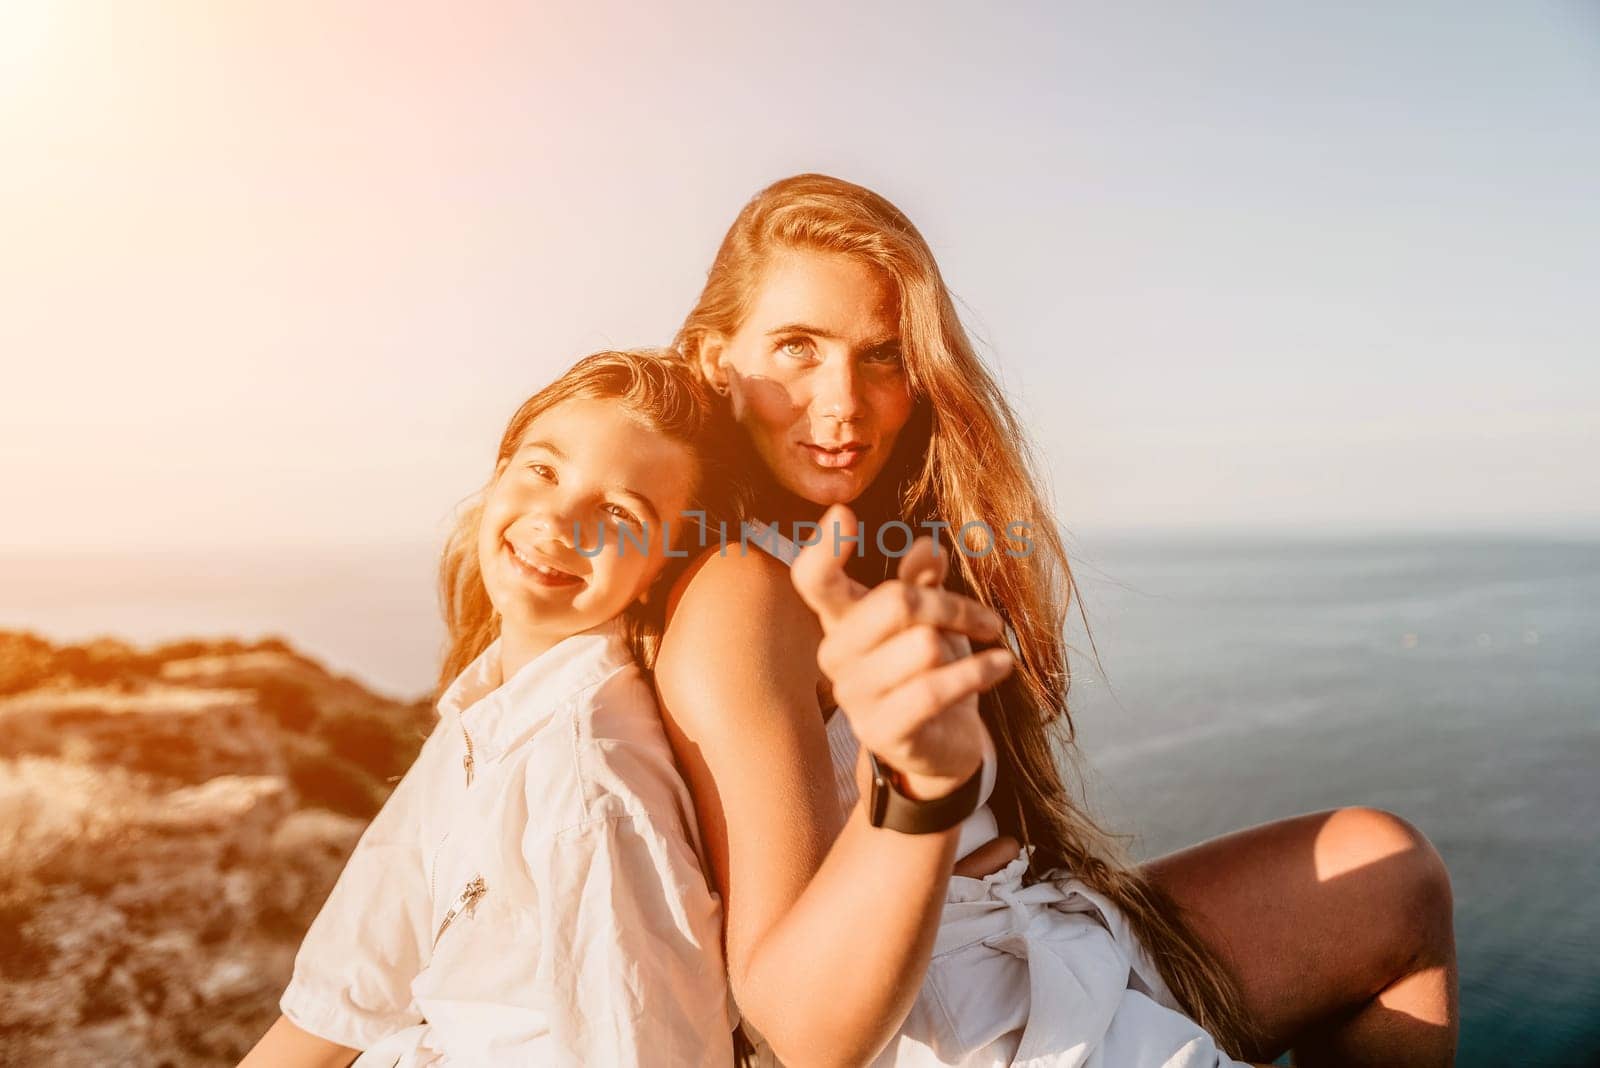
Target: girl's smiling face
point(586, 473)
point(815, 373)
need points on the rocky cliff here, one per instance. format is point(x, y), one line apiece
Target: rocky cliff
point(170, 821)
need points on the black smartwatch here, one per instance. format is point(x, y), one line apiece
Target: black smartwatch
point(887, 807)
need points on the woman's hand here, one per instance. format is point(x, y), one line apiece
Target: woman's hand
point(900, 658)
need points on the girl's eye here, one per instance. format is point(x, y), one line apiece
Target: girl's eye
point(795, 346)
point(887, 356)
point(544, 471)
point(623, 515)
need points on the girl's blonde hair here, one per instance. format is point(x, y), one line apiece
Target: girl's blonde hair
point(658, 387)
point(963, 458)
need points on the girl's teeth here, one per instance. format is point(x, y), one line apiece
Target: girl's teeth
point(538, 568)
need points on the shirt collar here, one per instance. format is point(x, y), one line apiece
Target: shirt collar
point(499, 713)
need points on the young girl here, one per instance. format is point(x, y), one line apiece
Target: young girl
point(531, 894)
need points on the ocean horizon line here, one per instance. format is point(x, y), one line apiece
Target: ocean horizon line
point(1574, 532)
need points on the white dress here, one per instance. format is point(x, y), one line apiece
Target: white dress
point(1048, 974)
point(531, 892)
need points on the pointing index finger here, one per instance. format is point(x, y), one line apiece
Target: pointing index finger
point(924, 564)
point(818, 572)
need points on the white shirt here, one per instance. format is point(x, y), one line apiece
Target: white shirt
point(531, 892)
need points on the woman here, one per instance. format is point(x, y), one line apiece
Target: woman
point(826, 326)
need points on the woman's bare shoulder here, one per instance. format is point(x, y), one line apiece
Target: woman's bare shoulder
point(738, 632)
point(736, 589)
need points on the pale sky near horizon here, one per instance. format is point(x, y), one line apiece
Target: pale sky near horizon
point(277, 273)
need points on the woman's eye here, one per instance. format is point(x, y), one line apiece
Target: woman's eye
point(795, 346)
point(622, 515)
point(544, 471)
point(886, 356)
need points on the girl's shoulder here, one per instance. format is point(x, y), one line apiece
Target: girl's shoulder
point(619, 711)
point(622, 763)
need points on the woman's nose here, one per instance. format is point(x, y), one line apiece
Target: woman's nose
point(838, 390)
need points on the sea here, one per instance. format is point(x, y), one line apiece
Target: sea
point(1220, 682)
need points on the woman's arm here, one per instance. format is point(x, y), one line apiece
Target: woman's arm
point(286, 1046)
point(827, 938)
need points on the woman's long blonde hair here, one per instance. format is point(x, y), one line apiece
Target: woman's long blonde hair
point(658, 387)
point(967, 460)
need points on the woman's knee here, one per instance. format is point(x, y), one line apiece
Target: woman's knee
point(1358, 835)
point(1400, 864)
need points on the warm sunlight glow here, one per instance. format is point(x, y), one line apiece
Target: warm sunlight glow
point(26, 27)
point(1421, 995)
point(1352, 838)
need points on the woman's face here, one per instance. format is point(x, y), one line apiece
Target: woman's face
point(552, 542)
point(815, 373)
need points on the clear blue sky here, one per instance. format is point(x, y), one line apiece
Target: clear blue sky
point(278, 273)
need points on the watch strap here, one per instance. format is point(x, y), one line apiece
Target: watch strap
point(887, 807)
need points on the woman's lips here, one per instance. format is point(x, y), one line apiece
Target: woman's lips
point(840, 457)
point(542, 573)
